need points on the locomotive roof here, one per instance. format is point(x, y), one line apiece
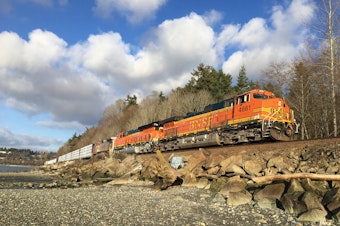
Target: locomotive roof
point(131, 132)
point(173, 118)
point(152, 124)
point(261, 91)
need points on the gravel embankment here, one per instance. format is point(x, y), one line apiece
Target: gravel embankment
point(130, 205)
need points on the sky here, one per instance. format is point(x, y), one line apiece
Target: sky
point(62, 62)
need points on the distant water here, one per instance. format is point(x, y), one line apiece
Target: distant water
point(4, 168)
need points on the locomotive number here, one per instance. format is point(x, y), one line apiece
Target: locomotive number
point(200, 123)
point(244, 108)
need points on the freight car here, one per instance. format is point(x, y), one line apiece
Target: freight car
point(102, 146)
point(81, 153)
point(256, 115)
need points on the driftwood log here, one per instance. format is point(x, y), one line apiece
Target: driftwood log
point(326, 177)
point(207, 176)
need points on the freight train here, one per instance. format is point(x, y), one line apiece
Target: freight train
point(253, 116)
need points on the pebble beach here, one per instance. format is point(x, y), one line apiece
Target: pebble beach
point(127, 205)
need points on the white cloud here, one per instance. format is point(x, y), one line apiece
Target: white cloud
point(75, 83)
point(212, 17)
point(22, 141)
point(252, 34)
point(172, 51)
point(259, 42)
point(135, 11)
point(42, 50)
point(37, 78)
point(72, 125)
point(178, 47)
point(107, 54)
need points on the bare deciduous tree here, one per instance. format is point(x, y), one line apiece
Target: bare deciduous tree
point(300, 94)
point(277, 74)
point(327, 26)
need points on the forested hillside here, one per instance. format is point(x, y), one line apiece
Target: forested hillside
point(13, 156)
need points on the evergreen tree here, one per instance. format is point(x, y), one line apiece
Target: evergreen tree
point(207, 78)
point(161, 97)
point(131, 100)
point(243, 83)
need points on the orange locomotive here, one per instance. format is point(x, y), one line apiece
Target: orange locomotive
point(141, 140)
point(253, 116)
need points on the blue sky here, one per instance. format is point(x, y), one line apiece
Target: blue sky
point(63, 62)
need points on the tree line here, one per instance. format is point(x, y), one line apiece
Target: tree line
point(14, 156)
point(309, 84)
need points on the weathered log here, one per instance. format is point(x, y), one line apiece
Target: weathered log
point(209, 176)
point(312, 176)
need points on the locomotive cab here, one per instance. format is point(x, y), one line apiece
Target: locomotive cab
point(276, 117)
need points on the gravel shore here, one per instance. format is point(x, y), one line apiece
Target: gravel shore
point(130, 205)
point(125, 205)
point(24, 179)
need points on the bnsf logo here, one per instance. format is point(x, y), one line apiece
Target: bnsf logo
point(200, 123)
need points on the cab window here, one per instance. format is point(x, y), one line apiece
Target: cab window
point(260, 96)
point(243, 99)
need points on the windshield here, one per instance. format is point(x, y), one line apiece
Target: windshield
point(260, 96)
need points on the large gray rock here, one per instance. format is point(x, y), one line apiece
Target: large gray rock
point(234, 190)
point(267, 203)
point(277, 162)
point(332, 169)
point(315, 210)
point(318, 187)
point(268, 196)
point(334, 208)
point(312, 201)
point(214, 170)
point(239, 198)
point(189, 178)
point(203, 183)
point(233, 168)
point(217, 184)
point(234, 184)
point(213, 160)
point(252, 167)
point(292, 204)
point(291, 199)
point(232, 164)
point(196, 161)
point(331, 195)
point(295, 187)
point(313, 215)
point(271, 191)
point(332, 201)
